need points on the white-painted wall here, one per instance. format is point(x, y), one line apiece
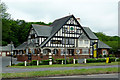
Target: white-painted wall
point(82, 41)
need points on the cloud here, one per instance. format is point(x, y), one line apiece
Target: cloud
point(99, 15)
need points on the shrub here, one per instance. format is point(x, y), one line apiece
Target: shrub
point(110, 55)
point(34, 62)
point(59, 61)
point(118, 59)
point(112, 59)
point(67, 62)
point(76, 61)
point(100, 55)
point(93, 60)
point(44, 62)
point(53, 61)
point(101, 60)
point(70, 60)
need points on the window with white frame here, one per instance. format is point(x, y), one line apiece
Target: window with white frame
point(81, 41)
point(68, 41)
point(86, 42)
point(45, 51)
point(85, 51)
point(104, 52)
point(65, 41)
point(62, 51)
point(71, 41)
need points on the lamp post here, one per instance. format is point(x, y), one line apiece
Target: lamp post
point(65, 43)
point(11, 52)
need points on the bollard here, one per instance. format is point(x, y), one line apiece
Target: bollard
point(50, 62)
point(84, 60)
point(50, 58)
point(25, 63)
point(62, 61)
point(37, 62)
point(73, 61)
point(10, 63)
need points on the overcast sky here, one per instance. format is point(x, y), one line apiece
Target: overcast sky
point(98, 15)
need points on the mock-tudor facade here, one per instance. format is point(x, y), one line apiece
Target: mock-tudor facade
point(63, 34)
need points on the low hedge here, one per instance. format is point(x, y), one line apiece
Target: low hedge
point(76, 61)
point(93, 60)
point(59, 61)
point(44, 62)
point(34, 62)
point(112, 59)
point(118, 59)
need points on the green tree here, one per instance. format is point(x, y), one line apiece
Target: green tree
point(112, 41)
point(3, 11)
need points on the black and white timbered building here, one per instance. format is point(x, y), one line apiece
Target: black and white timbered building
point(64, 33)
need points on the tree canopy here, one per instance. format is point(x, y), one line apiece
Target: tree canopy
point(112, 41)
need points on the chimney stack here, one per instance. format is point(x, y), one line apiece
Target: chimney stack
point(78, 19)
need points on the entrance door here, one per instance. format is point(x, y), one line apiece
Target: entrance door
point(3, 53)
point(71, 51)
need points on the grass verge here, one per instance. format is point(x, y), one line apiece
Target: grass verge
point(60, 72)
point(67, 65)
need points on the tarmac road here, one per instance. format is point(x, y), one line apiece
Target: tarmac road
point(6, 60)
point(76, 77)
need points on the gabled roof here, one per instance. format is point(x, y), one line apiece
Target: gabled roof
point(7, 48)
point(90, 33)
point(42, 30)
point(93, 36)
point(25, 45)
point(103, 45)
point(22, 46)
point(49, 31)
point(56, 25)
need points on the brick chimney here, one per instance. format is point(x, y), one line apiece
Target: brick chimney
point(78, 19)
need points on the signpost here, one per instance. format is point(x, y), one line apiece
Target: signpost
point(11, 52)
point(65, 43)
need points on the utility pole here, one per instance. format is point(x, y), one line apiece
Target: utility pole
point(11, 52)
point(65, 44)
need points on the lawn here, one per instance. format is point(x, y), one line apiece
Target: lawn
point(67, 65)
point(60, 72)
